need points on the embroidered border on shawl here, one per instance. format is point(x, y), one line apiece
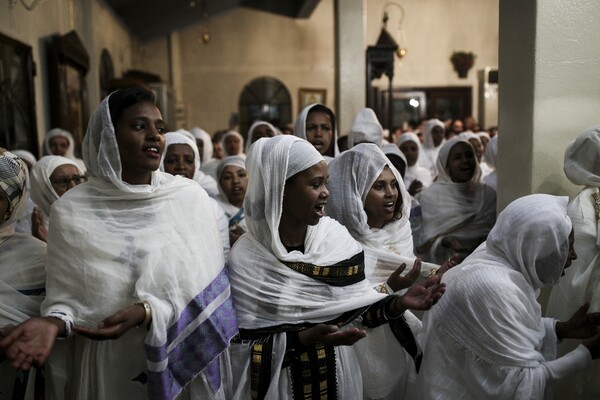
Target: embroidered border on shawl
point(260, 368)
point(313, 373)
point(194, 342)
point(344, 273)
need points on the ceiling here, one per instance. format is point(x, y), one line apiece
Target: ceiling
point(150, 19)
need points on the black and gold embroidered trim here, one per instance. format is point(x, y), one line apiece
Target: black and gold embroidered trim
point(344, 273)
point(313, 373)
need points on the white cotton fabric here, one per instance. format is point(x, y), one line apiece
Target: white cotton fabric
point(581, 282)
point(229, 209)
point(70, 150)
point(300, 130)
point(207, 182)
point(254, 125)
point(25, 155)
point(112, 244)
point(491, 158)
point(486, 338)
point(268, 293)
point(22, 262)
point(428, 153)
point(391, 150)
point(464, 210)
point(207, 148)
point(365, 127)
point(415, 172)
point(42, 192)
point(351, 176)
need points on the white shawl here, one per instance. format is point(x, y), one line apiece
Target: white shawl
point(42, 192)
point(365, 127)
point(486, 337)
point(250, 135)
point(415, 172)
point(464, 210)
point(229, 209)
point(428, 154)
point(207, 148)
point(111, 244)
point(70, 150)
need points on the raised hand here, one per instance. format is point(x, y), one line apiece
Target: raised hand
point(581, 325)
point(451, 262)
point(398, 282)
point(116, 325)
point(329, 334)
point(30, 343)
point(38, 228)
point(415, 187)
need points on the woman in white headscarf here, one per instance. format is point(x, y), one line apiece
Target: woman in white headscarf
point(486, 338)
point(204, 144)
point(181, 157)
point(142, 248)
point(298, 286)
point(479, 149)
point(23, 224)
point(22, 261)
point(581, 282)
point(417, 178)
point(59, 142)
point(233, 182)
point(316, 124)
point(259, 129)
point(433, 139)
point(365, 128)
point(51, 177)
point(232, 144)
point(491, 157)
point(458, 211)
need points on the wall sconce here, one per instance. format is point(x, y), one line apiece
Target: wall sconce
point(204, 31)
point(401, 36)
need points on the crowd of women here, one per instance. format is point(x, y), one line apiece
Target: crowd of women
point(157, 267)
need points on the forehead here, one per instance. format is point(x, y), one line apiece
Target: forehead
point(180, 148)
point(56, 139)
point(65, 169)
point(318, 116)
point(460, 147)
point(143, 109)
point(232, 169)
point(386, 175)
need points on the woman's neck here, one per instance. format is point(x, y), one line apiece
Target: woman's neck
point(292, 235)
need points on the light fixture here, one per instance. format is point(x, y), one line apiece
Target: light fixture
point(204, 31)
point(401, 36)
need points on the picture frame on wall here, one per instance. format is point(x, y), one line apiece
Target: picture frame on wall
point(308, 96)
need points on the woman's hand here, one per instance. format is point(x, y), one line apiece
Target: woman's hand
point(455, 244)
point(38, 227)
point(419, 297)
point(329, 334)
point(235, 233)
point(451, 262)
point(581, 325)
point(116, 325)
point(415, 187)
point(30, 343)
point(398, 282)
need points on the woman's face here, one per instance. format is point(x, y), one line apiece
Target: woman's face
point(461, 163)
point(58, 145)
point(233, 145)
point(234, 181)
point(65, 177)
point(180, 160)
point(4, 205)
point(262, 131)
point(319, 130)
point(140, 136)
point(305, 196)
point(217, 151)
point(437, 135)
point(572, 254)
point(380, 204)
point(478, 147)
point(411, 152)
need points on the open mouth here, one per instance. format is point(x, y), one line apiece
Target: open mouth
point(320, 209)
point(317, 144)
point(389, 206)
point(152, 151)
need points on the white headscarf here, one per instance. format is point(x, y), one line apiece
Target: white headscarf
point(427, 138)
point(300, 128)
point(393, 150)
point(254, 125)
point(157, 242)
point(581, 158)
point(230, 209)
point(70, 150)
point(207, 149)
point(267, 292)
point(25, 155)
point(365, 127)
point(224, 138)
point(42, 192)
point(489, 318)
point(464, 210)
